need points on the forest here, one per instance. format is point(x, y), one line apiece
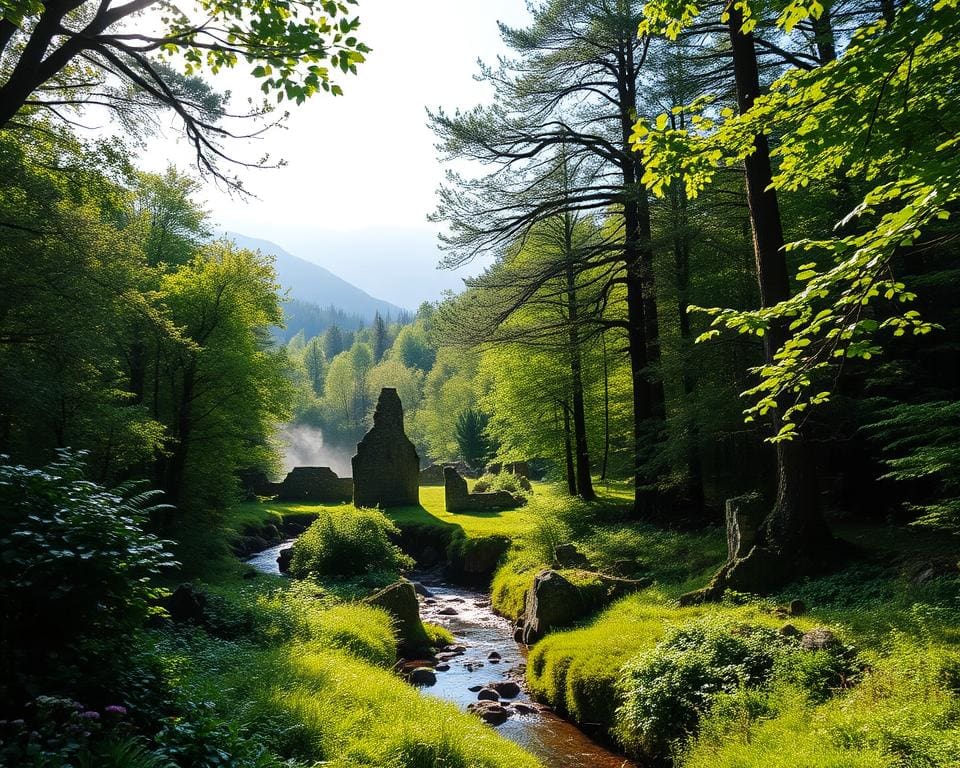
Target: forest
point(702, 389)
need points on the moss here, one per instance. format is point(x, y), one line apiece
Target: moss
point(439, 637)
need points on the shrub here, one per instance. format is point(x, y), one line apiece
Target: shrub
point(903, 713)
point(503, 481)
point(75, 571)
point(668, 688)
point(715, 661)
point(344, 543)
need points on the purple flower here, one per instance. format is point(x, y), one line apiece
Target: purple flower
point(115, 709)
point(90, 715)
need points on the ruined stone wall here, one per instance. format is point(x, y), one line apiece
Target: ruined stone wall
point(458, 499)
point(315, 484)
point(386, 469)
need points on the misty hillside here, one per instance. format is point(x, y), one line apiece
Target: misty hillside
point(313, 284)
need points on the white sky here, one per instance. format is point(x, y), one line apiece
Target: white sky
point(366, 161)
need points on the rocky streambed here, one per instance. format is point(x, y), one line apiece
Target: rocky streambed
point(483, 671)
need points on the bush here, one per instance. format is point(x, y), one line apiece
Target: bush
point(75, 571)
point(903, 713)
point(669, 688)
point(503, 481)
point(345, 543)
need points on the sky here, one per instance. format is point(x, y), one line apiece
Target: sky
point(362, 170)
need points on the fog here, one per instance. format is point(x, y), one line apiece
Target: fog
point(303, 447)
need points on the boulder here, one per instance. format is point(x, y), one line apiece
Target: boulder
point(554, 601)
point(315, 484)
point(488, 694)
point(818, 639)
point(524, 708)
point(386, 469)
point(490, 712)
point(568, 556)
point(457, 498)
point(507, 689)
point(283, 559)
point(422, 676)
point(421, 590)
point(400, 601)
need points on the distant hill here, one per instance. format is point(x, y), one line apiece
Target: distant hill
point(312, 284)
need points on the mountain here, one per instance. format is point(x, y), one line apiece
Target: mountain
point(313, 284)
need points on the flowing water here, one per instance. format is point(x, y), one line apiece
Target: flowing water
point(468, 616)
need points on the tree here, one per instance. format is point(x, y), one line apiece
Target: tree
point(76, 54)
point(226, 388)
point(413, 347)
point(801, 332)
point(381, 340)
point(472, 440)
point(315, 363)
point(391, 372)
point(333, 342)
point(574, 85)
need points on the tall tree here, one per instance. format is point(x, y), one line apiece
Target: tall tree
point(574, 84)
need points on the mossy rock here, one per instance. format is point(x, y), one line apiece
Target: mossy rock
point(560, 598)
point(400, 601)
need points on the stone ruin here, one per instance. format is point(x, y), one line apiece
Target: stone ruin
point(314, 484)
point(458, 499)
point(386, 469)
point(432, 475)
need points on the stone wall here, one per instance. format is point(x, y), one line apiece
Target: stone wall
point(386, 469)
point(315, 484)
point(432, 475)
point(458, 499)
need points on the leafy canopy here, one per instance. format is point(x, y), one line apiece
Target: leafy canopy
point(852, 119)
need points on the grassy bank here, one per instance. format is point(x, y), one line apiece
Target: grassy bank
point(305, 677)
point(883, 693)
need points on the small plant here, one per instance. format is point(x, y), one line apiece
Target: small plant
point(348, 543)
point(76, 567)
point(440, 637)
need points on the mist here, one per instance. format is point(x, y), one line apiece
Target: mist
point(303, 446)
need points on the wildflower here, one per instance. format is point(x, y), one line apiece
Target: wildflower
point(115, 709)
point(90, 715)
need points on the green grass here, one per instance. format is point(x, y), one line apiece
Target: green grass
point(512, 523)
point(903, 713)
point(308, 675)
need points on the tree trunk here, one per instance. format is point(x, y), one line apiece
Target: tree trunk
point(824, 37)
point(681, 253)
point(648, 397)
point(568, 451)
point(606, 408)
point(794, 536)
point(584, 480)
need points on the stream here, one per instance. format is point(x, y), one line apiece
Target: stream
point(468, 616)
